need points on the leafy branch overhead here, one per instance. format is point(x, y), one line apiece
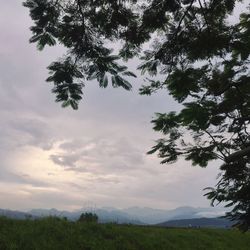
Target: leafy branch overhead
point(200, 49)
point(83, 30)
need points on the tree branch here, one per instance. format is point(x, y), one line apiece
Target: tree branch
point(217, 144)
point(182, 18)
point(204, 14)
point(241, 153)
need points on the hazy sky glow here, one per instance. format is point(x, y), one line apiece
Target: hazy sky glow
point(54, 157)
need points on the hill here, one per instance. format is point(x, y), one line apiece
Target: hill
point(15, 214)
point(154, 216)
point(135, 215)
point(132, 215)
point(58, 234)
point(199, 222)
point(105, 215)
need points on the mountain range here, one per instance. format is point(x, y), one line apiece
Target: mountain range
point(133, 215)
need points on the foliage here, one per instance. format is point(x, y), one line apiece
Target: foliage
point(203, 56)
point(88, 218)
point(58, 234)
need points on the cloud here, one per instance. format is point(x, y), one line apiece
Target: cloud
point(54, 157)
point(9, 177)
point(100, 155)
point(65, 160)
point(34, 132)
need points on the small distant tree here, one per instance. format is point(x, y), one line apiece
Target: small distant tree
point(88, 218)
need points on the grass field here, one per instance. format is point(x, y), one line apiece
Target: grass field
point(53, 234)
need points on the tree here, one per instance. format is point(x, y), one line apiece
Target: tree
point(203, 56)
point(88, 218)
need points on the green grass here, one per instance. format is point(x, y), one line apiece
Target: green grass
point(52, 233)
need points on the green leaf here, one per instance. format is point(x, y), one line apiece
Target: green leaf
point(104, 82)
point(129, 73)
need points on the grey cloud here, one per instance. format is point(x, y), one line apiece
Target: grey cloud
point(123, 148)
point(34, 132)
point(76, 169)
point(10, 177)
point(76, 186)
point(92, 179)
point(108, 180)
point(21, 131)
point(56, 199)
point(65, 160)
point(74, 145)
point(108, 154)
point(51, 174)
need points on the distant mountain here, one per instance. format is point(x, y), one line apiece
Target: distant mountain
point(14, 214)
point(51, 212)
point(133, 215)
point(104, 215)
point(154, 216)
point(136, 215)
point(200, 222)
point(116, 215)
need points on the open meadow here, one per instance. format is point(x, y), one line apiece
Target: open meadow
point(53, 233)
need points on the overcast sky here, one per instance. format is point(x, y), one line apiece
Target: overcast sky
point(54, 157)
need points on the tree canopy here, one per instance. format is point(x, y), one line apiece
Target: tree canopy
point(200, 49)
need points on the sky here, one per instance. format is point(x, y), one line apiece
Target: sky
point(52, 157)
